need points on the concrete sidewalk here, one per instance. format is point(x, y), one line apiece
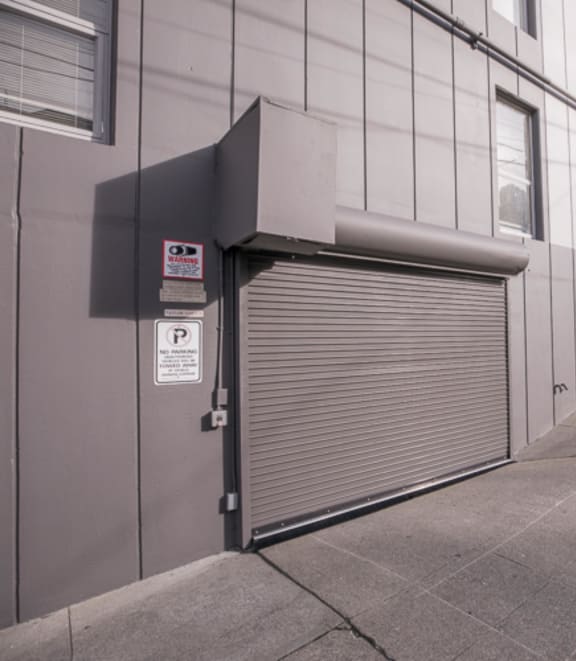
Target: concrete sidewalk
point(483, 570)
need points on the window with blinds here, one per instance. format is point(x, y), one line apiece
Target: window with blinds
point(54, 65)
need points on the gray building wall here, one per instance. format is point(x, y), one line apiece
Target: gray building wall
point(105, 477)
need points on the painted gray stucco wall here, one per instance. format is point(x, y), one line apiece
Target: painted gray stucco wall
point(78, 523)
point(117, 478)
point(9, 227)
point(185, 110)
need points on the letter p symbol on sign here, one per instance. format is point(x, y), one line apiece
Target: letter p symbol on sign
point(178, 336)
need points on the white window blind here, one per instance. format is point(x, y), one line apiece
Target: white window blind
point(96, 12)
point(52, 71)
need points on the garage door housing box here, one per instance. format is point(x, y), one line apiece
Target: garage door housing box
point(276, 174)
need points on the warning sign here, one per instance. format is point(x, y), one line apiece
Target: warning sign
point(178, 351)
point(183, 260)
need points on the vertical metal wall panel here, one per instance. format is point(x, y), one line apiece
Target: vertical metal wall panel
point(535, 97)
point(572, 145)
point(9, 147)
point(472, 13)
point(517, 363)
point(501, 31)
point(563, 332)
point(530, 48)
point(188, 56)
point(269, 52)
point(539, 341)
point(78, 489)
point(472, 117)
point(389, 146)
point(181, 457)
point(558, 163)
point(444, 5)
point(335, 87)
point(503, 78)
point(570, 44)
point(364, 379)
point(553, 41)
point(434, 124)
point(529, 44)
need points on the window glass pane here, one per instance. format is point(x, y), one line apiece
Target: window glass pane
point(516, 11)
point(515, 170)
point(505, 8)
point(515, 204)
point(513, 152)
point(46, 72)
point(522, 14)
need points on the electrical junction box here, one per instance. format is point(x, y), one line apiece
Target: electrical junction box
point(219, 418)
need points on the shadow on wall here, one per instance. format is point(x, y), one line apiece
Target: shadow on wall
point(175, 199)
point(176, 202)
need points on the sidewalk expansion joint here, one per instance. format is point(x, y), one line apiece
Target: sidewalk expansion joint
point(346, 621)
point(70, 637)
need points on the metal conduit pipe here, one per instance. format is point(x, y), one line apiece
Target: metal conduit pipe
point(478, 40)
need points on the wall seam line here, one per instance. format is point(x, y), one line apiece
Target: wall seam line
point(364, 127)
point(232, 63)
point(137, 227)
point(544, 140)
point(18, 318)
point(552, 343)
point(454, 146)
point(526, 395)
point(508, 370)
point(491, 146)
point(413, 84)
point(570, 168)
point(564, 44)
point(305, 55)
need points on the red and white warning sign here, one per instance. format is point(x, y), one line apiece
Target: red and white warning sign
point(184, 260)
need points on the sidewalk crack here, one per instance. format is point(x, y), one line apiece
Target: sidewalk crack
point(345, 619)
point(70, 638)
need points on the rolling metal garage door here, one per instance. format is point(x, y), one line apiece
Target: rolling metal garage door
point(361, 380)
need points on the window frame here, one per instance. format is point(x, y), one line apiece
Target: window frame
point(525, 16)
point(102, 120)
point(533, 152)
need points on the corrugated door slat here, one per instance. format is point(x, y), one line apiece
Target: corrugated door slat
point(363, 380)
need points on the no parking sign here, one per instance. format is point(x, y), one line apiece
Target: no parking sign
point(178, 351)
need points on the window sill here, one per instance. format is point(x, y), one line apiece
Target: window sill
point(514, 232)
point(41, 125)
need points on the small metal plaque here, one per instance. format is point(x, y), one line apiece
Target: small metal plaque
point(182, 292)
point(183, 314)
